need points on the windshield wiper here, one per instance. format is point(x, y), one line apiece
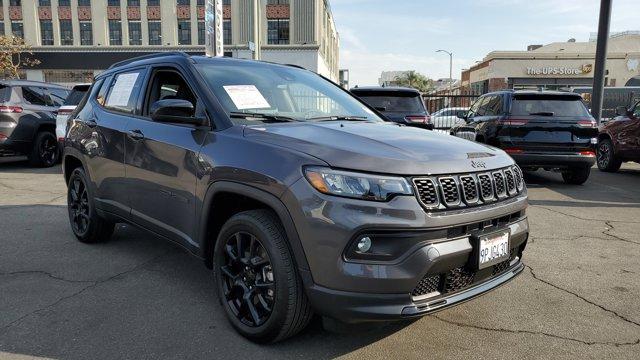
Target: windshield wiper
point(543, 113)
point(339, 118)
point(262, 116)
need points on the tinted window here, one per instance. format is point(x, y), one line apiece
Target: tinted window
point(548, 106)
point(474, 108)
point(76, 95)
point(493, 106)
point(167, 85)
point(123, 91)
point(5, 93)
point(58, 96)
point(482, 106)
point(393, 102)
point(35, 95)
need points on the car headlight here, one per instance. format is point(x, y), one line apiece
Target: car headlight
point(356, 185)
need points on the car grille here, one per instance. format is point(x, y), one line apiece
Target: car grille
point(456, 279)
point(455, 191)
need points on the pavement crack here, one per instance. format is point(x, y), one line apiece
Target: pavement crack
point(582, 218)
point(615, 313)
point(40, 272)
point(91, 285)
point(611, 227)
point(530, 332)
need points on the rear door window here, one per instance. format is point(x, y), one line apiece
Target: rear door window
point(35, 95)
point(58, 96)
point(393, 102)
point(557, 106)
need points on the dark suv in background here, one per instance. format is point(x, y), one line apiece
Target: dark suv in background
point(297, 195)
point(398, 104)
point(619, 139)
point(28, 120)
point(539, 129)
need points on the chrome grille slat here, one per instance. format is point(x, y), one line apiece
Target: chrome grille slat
point(466, 190)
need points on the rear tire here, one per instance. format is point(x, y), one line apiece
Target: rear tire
point(45, 151)
point(265, 303)
point(607, 160)
point(86, 224)
point(576, 176)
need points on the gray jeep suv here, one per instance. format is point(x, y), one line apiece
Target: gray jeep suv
point(297, 195)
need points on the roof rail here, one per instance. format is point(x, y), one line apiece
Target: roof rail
point(149, 56)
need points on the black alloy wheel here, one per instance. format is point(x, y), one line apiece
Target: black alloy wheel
point(606, 158)
point(247, 279)
point(78, 204)
point(49, 151)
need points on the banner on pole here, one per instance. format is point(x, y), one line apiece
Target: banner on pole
point(213, 25)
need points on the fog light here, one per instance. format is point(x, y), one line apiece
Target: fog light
point(364, 244)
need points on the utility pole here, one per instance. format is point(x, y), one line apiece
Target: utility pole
point(214, 43)
point(601, 59)
point(257, 30)
point(450, 69)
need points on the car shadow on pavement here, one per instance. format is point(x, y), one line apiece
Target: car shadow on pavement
point(136, 296)
point(20, 165)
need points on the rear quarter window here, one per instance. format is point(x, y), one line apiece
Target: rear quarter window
point(548, 105)
point(75, 96)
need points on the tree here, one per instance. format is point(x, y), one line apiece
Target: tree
point(14, 54)
point(415, 80)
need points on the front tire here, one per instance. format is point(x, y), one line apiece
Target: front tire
point(86, 224)
point(607, 160)
point(45, 151)
point(576, 176)
point(257, 279)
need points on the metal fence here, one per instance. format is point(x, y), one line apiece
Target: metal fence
point(443, 108)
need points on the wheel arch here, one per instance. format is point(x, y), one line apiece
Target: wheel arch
point(243, 197)
point(69, 163)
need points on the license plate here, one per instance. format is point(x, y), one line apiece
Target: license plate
point(493, 249)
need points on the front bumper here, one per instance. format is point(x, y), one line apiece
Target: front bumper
point(553, 160)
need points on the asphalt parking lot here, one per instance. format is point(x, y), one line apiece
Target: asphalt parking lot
point(140, 297)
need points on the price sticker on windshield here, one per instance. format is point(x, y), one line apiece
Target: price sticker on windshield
point(246, 97)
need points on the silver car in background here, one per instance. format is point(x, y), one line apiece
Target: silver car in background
point(445, 118)
point(70, 103)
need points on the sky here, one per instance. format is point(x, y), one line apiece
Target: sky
point(382, 35)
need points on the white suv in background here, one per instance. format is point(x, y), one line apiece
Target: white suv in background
point(445, 118)
point(70, 103)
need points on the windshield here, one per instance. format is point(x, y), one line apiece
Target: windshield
point(409, 102)
point(549, 106)
point(279, 91)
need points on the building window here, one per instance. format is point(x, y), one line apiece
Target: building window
point(133, 2)
point(17, 29)
point(278, 2)
point(64, 2)
point(155, 33)
point(15, 3)
point(115, 32)
point(201, 33)
point(226, 2)
point(84, 2)
point(184, 2)
point(46, 32)
point(44, 3)
point(184, 33)
point(278, 31)
point(113, 3)
point(200, 2)
point(86, 33)
point(66, 32)
point(226, 32)
point(153, 2)
point(135, 33)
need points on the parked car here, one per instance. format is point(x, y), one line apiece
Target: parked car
point(446, 118)
point(398, 104)
point(298, 206)
point(539, 129)
point(27, 120)
point(70, 103)
point(619, 139)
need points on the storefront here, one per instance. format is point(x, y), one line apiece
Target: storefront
point(556, 66)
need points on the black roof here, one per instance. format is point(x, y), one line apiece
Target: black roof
point(384, 89)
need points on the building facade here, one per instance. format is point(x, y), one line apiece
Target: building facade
point(556, 66)
point(75, 39)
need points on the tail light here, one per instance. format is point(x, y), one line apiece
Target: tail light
point(10, 109)
point(418, 119)
point(513, 122)
point(2, 136)
point(587, 123)
point(513, 150)
point(590, 153)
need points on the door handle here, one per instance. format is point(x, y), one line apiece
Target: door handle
point(135, 134)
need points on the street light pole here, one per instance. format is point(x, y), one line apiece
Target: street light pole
point(450, 69)
point(601, 59)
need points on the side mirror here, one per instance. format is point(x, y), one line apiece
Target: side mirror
point(175, 111)
point(622, 111)
point(461, 114)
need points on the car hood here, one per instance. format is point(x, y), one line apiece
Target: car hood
point(381, 147)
